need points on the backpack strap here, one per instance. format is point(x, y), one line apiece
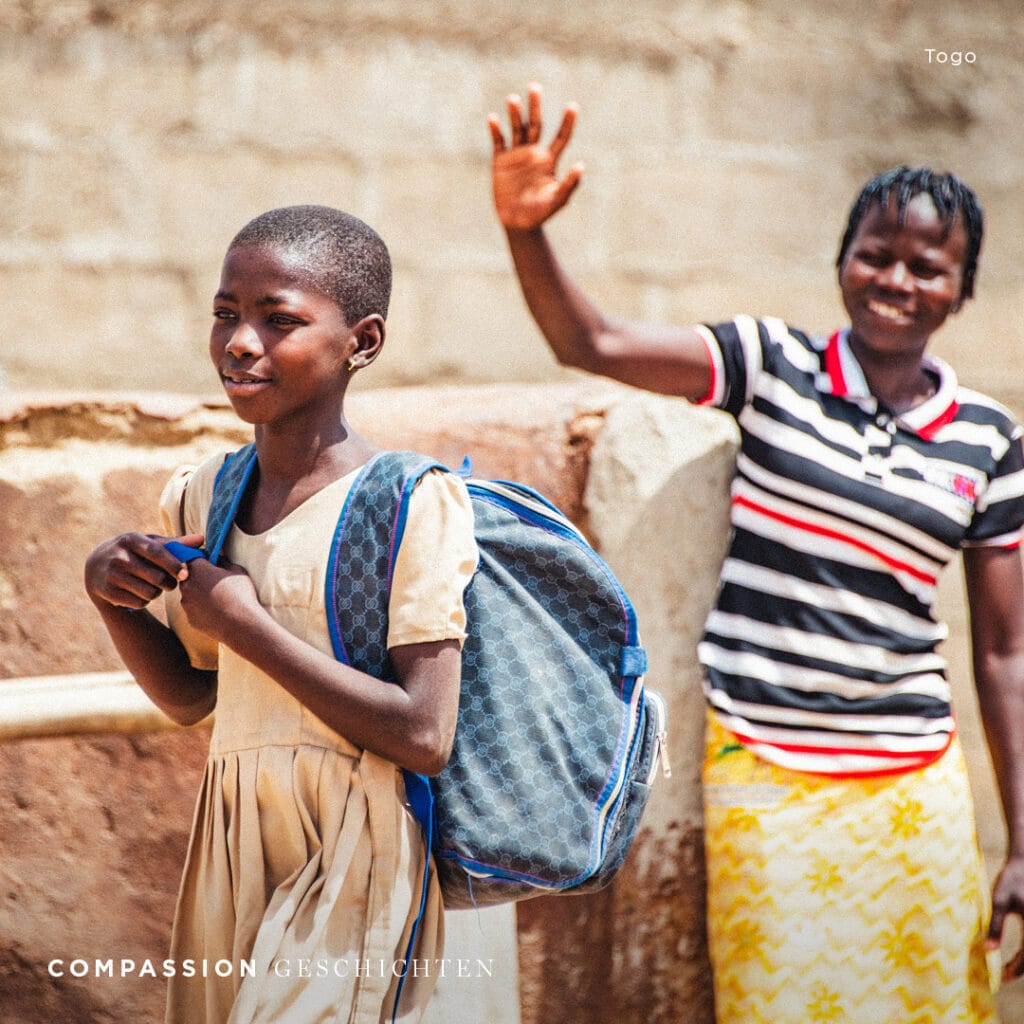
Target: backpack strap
point(358, 588)
point(228, 490)
point(362, 558)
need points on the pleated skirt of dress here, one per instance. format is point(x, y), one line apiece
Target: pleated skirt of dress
point(304, 876)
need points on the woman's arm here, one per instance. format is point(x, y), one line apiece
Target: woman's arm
point(527, 191)
point(410, 722)
point(995, 594)
point(122, 576)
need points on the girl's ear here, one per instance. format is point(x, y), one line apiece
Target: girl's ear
point(367, 339)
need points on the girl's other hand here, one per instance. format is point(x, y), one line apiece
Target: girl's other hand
point(527, 190)
point(130, 570)
point(220, 600)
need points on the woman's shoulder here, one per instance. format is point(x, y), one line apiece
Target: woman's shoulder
point(974, 408)
point(987, 407)
point(759, 335)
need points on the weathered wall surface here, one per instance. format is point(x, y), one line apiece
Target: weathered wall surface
point(724, 143)
point(94, 827)
point(73, 470)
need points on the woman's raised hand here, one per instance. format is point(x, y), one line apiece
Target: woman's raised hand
point(527, 189)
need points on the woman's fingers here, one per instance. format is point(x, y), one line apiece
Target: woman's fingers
point(527, 188)
point(497, 136)
point(568, 184)
point(564, 133)
point(515, 120)
point(533, 121)
point(528, 131)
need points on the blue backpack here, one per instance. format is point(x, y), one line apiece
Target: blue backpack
point(557, 741)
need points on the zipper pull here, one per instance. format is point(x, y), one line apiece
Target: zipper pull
point(656, 704)
point(666, 767)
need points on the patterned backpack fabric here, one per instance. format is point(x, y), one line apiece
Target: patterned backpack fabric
point(558, 740)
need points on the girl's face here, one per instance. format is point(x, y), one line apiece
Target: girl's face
point(279, 345)
point(899, 283)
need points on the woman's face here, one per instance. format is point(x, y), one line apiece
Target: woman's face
point(900, 282)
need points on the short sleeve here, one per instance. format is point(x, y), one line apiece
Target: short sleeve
point(999, 513)
point(736, 354)
point(435, 563)
point(183, 504)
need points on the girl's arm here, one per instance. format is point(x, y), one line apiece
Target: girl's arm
point(122, 576)
point(410, 722)
point(995, 594)
point(527, 191)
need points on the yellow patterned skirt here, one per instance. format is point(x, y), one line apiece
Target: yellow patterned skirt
point(855, 901)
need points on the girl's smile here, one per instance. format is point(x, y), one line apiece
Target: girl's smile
point(278, 344)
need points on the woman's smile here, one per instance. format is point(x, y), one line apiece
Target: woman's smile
point(902, 277)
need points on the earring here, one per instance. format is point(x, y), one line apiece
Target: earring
point(351, 365)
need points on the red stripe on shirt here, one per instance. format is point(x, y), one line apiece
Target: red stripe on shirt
point(929, 430)
point(917, 758)
point(712, 372)
point(834, 367)
point(822, 531)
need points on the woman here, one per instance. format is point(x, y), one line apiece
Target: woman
point(844, 879)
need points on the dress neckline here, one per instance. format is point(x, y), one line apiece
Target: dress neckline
point(346, 480)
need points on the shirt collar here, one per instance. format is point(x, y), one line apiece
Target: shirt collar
point(844, 378)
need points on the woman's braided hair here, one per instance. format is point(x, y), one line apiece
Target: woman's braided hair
point(950, 196)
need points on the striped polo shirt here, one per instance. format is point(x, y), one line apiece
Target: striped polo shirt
point(820, 653)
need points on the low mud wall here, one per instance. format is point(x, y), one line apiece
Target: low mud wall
point(94, 826)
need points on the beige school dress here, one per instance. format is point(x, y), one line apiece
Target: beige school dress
point(305, 867)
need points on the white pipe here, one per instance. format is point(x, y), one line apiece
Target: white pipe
point(81, 703)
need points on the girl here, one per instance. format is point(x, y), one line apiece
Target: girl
point(305, 864)
point(843, 871)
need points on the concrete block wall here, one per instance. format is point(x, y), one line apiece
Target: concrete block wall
point(724, 143)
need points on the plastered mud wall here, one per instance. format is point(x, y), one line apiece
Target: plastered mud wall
point(723, 143)
point(93, 827)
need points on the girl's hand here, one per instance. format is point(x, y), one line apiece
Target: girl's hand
point(220, 601)
point(132, 569)
point(527, 190)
